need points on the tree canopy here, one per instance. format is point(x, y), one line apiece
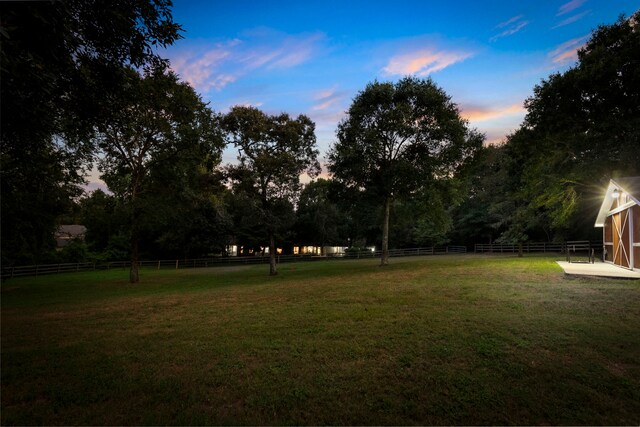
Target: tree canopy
point(582, 127)
point(399, 138)
point(58, 62)
point(156, 123)
point(273, 151)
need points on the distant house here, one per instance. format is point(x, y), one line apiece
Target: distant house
point(65, 234)
point(319, 250)
point(619, 218)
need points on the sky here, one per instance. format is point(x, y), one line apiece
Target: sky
point(313, 57)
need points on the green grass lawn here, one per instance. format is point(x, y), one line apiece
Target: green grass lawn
point(433, 340)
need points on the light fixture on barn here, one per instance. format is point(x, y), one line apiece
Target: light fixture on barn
point(615, 194)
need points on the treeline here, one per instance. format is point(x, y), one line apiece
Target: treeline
point(82, 84)
point(582, 127)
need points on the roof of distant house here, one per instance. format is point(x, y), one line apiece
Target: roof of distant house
point(72, 230)
point(65, 234)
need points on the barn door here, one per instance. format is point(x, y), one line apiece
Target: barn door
point(621, 241)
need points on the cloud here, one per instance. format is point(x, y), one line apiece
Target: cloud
point(328, 108)
point(423, 62)
point(249, 104)
point(325, 104)
point(480, 114)
point(513, 25)
point(199, 69)
point(509, 21)
point(568, 7)
point(328, 119)
point(568, 50)
point(326, 99)
point(212, 67)
point(571, 19)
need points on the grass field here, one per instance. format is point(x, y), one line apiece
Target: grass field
point(433, 340)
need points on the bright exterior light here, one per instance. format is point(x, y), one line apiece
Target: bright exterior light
point(615, 194)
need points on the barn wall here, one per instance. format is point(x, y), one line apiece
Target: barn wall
point(621, 238)
point(625, 251)
point(636, 223)
point(607, 237)
point(635, 211)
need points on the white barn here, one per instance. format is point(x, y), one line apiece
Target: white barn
point(619, 218)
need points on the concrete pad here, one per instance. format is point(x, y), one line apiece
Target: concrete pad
point(599, 269)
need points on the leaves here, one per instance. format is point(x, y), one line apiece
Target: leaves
point(398, 139)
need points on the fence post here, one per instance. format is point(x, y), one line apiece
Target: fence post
point(176, 264)
point(36, 270)
point(446, 250)
point(12, 270)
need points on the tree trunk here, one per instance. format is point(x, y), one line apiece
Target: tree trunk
point(272, 255)
point(385, 233)
point(133, 271)
point(135, 218)
point(520, 250)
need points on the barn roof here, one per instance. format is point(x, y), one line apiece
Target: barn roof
point(629, 185)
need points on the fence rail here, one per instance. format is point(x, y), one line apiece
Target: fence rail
point(39, 270)
point(532, 247)
point(513, 247)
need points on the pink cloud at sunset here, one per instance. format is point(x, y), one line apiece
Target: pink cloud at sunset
point(480, 114)
point(213, 68)
point(326, 99)
point(424, 62)
point(568, 50)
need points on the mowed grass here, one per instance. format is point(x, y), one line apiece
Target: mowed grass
point(432, 340)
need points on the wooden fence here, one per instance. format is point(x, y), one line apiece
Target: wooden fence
point(40, 270)
point(513, 247)
point(531, 247)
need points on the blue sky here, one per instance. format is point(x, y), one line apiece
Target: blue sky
point(312, 57)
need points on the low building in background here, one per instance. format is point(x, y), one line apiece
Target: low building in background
point(66, 234)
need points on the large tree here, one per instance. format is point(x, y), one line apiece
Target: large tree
point(273, 151)
point(399, 138)
point(156, 122)
point(58, 62)
point(582, 127)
